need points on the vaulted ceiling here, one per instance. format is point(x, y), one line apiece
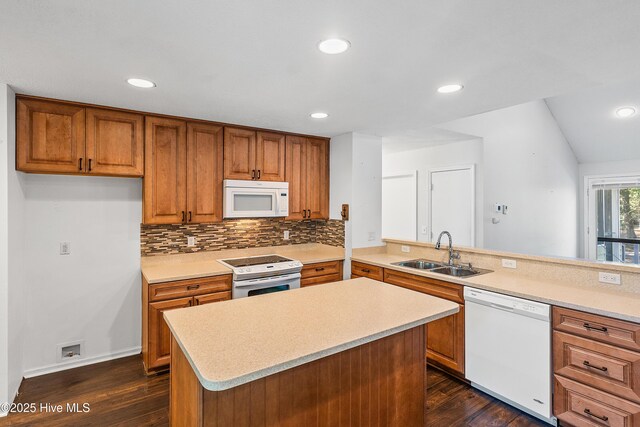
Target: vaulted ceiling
point(255, 62)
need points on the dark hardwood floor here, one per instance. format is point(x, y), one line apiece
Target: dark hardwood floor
point(120, 394)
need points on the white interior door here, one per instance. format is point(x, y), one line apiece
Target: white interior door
point(400, 206)
point(452, 203)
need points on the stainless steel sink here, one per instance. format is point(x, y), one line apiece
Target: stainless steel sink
point(436, 267)
point(457, 271)
point(420, 264)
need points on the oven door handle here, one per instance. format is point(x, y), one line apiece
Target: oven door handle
point(266, 280)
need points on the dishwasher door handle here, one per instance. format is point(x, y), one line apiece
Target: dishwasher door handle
point(501, 307)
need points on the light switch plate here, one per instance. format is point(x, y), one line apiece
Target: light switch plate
point(286, 235)
point(509, 263)
point(611, 278)
point(65, 248)
point(191, 241)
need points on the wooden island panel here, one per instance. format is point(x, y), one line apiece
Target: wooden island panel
point(378, 383)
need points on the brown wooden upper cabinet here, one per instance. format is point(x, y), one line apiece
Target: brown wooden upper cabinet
point(67, 138)
point(253, 155)
point(307, 172)
point(183, 172)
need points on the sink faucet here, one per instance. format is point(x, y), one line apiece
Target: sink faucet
point(452, 255)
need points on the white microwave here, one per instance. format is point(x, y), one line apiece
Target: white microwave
point(255, 199)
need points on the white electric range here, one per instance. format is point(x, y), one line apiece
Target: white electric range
point(263, 274)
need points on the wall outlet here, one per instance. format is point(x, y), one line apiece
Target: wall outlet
point(191, 241)
point(612, 278)
point(405, 248)
point(286, 234)
point(424, 229)
point(372, 235)
point(509, 263)
point(65, 248)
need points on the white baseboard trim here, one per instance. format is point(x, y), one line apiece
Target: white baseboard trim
point(81, 362)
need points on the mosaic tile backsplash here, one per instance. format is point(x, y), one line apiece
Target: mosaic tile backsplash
point(237, 234)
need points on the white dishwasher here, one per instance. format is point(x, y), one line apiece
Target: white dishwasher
point(508, 350)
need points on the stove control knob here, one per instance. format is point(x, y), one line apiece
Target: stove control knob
point(240, 270)
point(292, 264)
point(248, 270)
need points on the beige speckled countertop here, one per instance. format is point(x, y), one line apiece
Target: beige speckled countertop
point(604, 300)
point(167, 268)
point(234, 342)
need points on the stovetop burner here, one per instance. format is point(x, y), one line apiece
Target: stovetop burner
point(256, 260)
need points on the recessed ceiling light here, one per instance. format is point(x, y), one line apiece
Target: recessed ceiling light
point(319, 115)
point(141, 83)
point(625, 112)
point(334, 46)
point(450, 88)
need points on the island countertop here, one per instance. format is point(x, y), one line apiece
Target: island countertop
point(238, 341)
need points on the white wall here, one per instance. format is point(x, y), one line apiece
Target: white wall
point(94, 293)
point(11, 254)
point(341, 187)
point(529, 166)
point(430, 157)
point(603, 168)
point(366, 205)
point(356, 173)
point(17, 279)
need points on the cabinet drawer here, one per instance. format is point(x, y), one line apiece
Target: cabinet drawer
point(191, 287)
point(437, 288)
point(602, 366)
point(611, 331)
point(359, 269)
point(321, 269)
point(579, 405)
point(209, 298)
point(319, 280)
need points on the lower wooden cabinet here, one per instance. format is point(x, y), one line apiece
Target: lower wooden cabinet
point(577, 404)
point(445, 337)
point(322, 272)
point(159, 335)
point(359, 269)
point(596, 370)
point(161, 297)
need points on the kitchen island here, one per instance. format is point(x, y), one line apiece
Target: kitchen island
point(350, 352)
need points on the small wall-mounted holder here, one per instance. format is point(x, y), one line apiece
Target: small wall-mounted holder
point(345, 212)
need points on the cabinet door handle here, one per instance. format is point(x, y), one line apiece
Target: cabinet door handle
point(304, 213)
point(602, 329)
point(190, 303)
point(182, 216)
point(193, 287)
point(320, 269)
point(366, 270)
point(591, 414)
point(189, 216)
point(309, 213)
point(589, 365)
point(258, 174)
point(89, 165)
point(80, 164)
point(253, 174)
